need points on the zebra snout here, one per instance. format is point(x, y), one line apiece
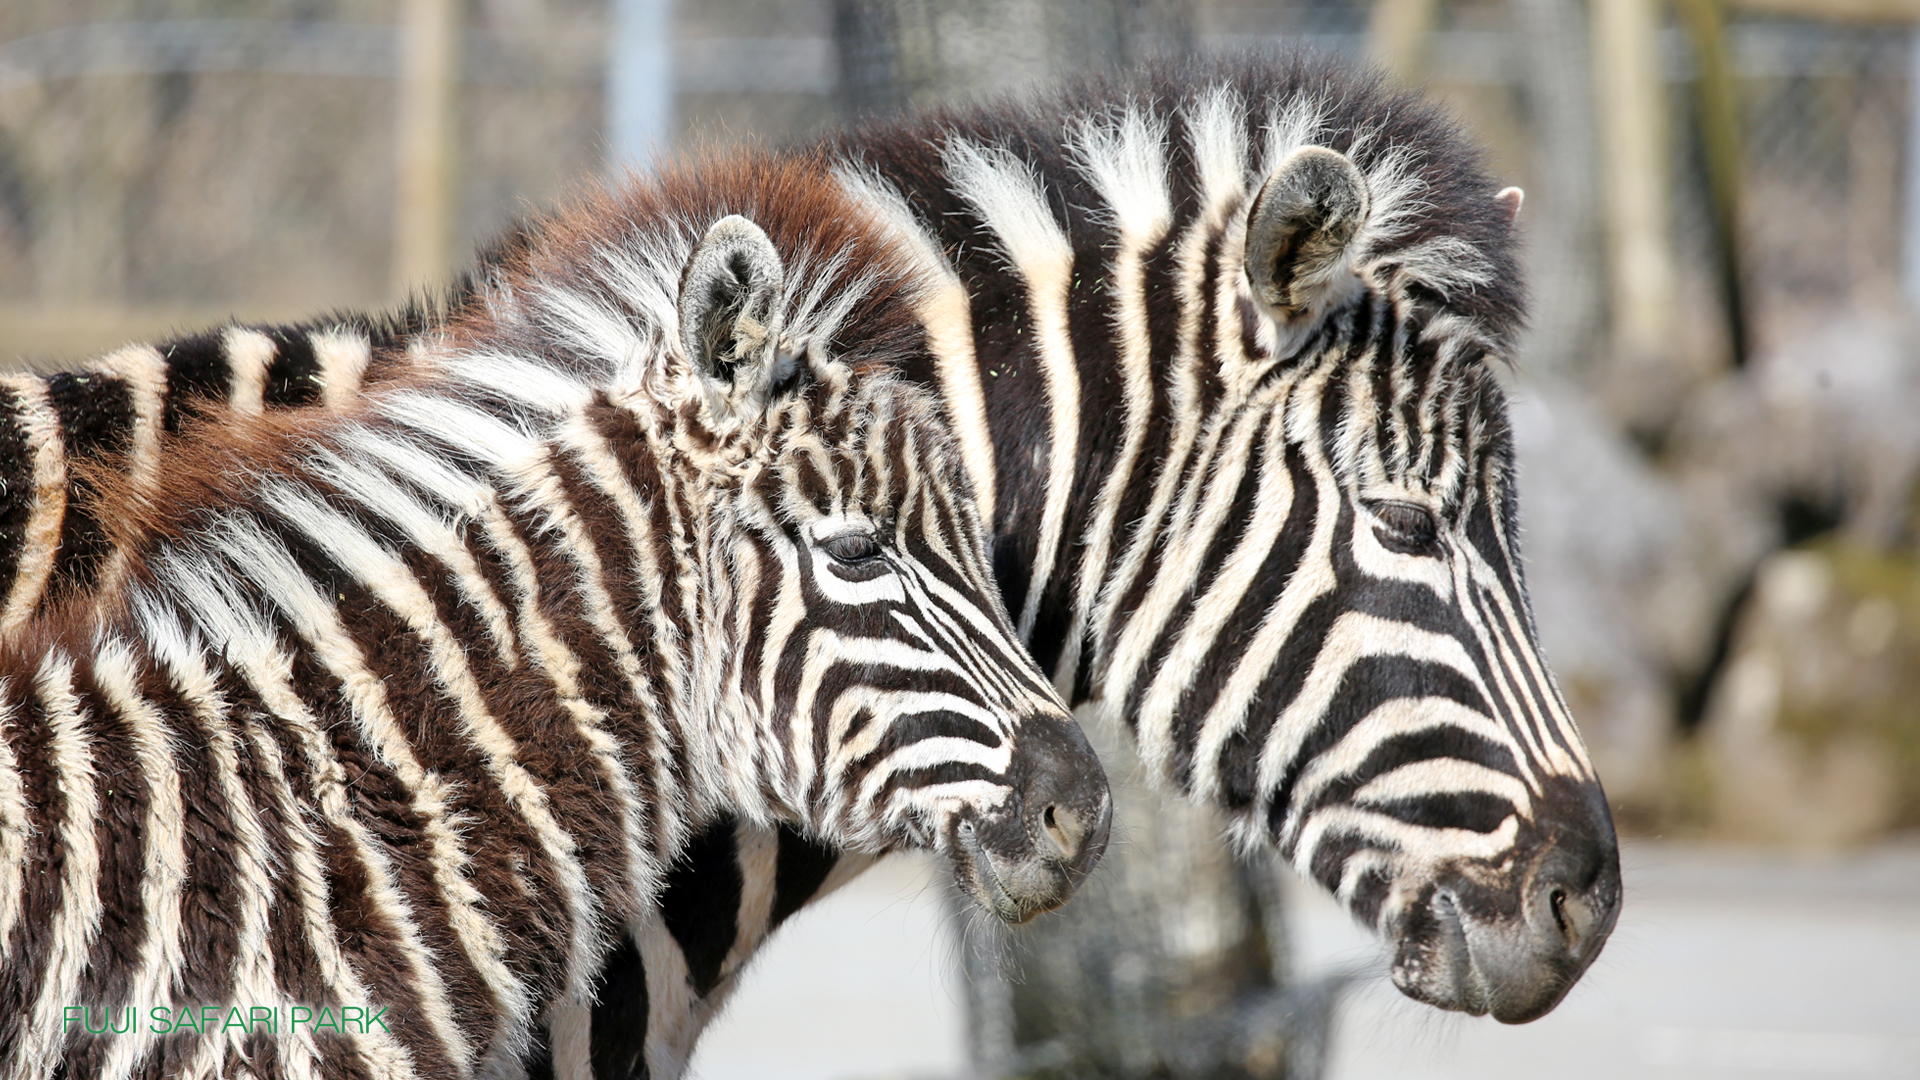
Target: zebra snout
point(1569, 902)
point(1069, 833)
point(1028, 855)
point(1572, 902)
point(1068, 809)
point(1512, 949)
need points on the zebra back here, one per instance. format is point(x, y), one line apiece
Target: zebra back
point(63, 434)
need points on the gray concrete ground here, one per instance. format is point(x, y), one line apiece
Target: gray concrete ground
point(1727, 964)
point(861, 986)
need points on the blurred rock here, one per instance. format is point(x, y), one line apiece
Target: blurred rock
point(1824, 421)
point(1643, 565)
point(1812, 734)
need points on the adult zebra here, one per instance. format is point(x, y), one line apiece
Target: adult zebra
point(1281, 546)
point(1219, 343)
point(607, 564)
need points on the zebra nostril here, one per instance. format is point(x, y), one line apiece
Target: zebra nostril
point(1575, 918)
point(1064, 830)
point(1570, 916)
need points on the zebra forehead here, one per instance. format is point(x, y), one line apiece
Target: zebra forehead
point(1435, 432)
point(852, 442)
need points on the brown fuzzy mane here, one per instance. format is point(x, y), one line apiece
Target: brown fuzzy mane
point(794, 198)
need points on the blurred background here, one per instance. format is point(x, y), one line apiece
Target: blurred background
point(1718, 411)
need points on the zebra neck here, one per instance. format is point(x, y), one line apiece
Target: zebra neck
point(1095, 489)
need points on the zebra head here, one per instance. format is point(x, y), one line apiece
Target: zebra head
point(1425, 767)
point(867, 670)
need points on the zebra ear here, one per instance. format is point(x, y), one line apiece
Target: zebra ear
point(729, 316)
point(1509, 200)
point(1300, 227)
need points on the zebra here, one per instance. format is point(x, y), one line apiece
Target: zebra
point(413, 704)
point(65, 434)
point(1088, 254)
point(120, 408)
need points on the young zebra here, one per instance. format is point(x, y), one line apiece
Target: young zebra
point(1292, 566)
point(413, 705)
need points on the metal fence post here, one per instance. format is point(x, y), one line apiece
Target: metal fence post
point(640, 84)
point(1910, 198)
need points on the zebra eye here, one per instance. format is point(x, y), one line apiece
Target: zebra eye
point(852, 548)
point(1406, 528)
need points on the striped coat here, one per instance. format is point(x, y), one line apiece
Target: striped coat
point(412, 706)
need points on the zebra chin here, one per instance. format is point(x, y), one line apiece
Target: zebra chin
point(1030, 854)
point(1510, 940)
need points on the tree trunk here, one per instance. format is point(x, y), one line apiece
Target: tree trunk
point(1170, 962)
point(897, 55)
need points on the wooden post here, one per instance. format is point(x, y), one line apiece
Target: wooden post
point(424, 196)
point(1398, 32)
point(1631, 106)
point(1719, 117)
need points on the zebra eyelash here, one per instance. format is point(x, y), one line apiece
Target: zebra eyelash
point(852, 549)
point(1406, 528)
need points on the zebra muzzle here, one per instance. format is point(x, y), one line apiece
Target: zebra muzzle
point(1482, 946)
point(1028, 856)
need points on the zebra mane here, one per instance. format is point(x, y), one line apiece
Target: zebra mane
point(1229, 121)
point(592, 286)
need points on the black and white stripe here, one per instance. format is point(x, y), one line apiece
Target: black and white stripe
point(123, 409)
point(1235, 331)
point(418, 706)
